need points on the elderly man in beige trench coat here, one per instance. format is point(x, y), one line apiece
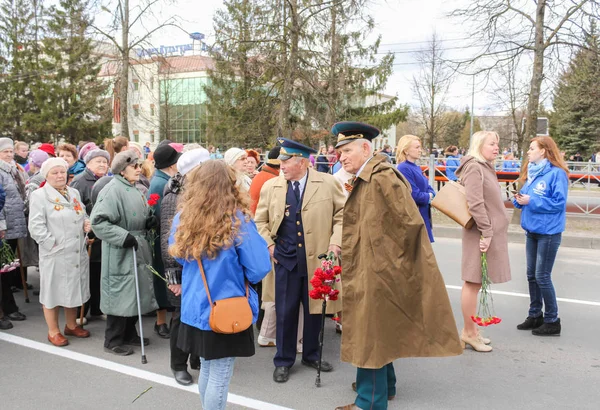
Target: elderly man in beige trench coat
point(395, 302)
point(299, 214)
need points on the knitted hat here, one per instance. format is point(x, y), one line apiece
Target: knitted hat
point(178, 147)
point(232, 155)
point(96, 153)
point(138, 148)
point(48, 148)
point(85, 149)
point(37, 157)
point(122, 160)
point(51, 163)
point(165, 156)
point(191, 159)
point(272, 158)
point(6, 143)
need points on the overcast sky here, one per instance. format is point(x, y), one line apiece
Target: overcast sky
point(405, 26)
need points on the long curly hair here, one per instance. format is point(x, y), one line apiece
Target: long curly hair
point(210, 207)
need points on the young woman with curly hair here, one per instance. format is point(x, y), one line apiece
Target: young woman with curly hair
point(214, 228)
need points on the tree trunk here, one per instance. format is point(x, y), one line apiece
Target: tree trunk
point(536, 79)
point(124, 90)
point(333, 85)
point(283, 117)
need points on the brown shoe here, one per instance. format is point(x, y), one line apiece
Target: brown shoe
point(77, 332)
point(58, 340)
point(389, 397)
point(348, 407)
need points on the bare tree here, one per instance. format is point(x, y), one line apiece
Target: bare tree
point(128, 19)
point(431, 86)
point(510, 28)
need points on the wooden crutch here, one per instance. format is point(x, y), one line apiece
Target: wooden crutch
point(82, 310)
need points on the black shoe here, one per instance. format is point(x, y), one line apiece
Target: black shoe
point(195, 364)
point(119, 350)
point(136, 341)
point(548, 329)
point(183, 377)
point(281, 374)
point(16, 316)
point(325, 366)
point(162, 330)
point(531, 323)
point(5, 324)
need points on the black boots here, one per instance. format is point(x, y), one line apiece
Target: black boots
point(548, 329)
point(531, 323)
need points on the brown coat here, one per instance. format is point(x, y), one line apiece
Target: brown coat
point(395, 302)
point(486, 206)
point(322, 210)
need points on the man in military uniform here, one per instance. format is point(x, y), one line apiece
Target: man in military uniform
point(395, 301)
point(299, 214)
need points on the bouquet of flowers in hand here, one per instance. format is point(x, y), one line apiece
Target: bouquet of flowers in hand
point(152, 235)
point(325, 279)
point(485, 312)
point(8, 260)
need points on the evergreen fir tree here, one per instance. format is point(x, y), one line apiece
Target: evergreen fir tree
point(575, 123)
point(71, 97)
point(19, 30)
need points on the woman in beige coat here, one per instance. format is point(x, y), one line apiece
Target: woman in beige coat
point(489, 233)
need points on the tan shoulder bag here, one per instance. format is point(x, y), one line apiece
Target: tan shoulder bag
point(451, 200)
point(231, 315)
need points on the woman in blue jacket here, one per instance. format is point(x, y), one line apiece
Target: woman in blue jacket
point(408, 152)
point(543, 204)
point(214, 227)
point(452, 162)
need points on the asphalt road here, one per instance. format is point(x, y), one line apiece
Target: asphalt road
point(523, 371)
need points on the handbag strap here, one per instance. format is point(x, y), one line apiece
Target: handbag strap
point(206, 284)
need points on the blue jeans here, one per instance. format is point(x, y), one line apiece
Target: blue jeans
point(541, 252)
point(213, 383)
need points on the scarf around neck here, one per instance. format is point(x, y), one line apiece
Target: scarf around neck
point(533, 169)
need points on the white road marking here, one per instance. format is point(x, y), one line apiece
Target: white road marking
point(525, 295)
point(131, 371)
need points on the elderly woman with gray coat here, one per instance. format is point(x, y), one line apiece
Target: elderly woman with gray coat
point(13, 224)
point(58, 223)
point(121, 219)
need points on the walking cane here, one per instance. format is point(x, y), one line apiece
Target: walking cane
point(137, 294)
point(323, 311)
point(89, 252)
point(23, 281)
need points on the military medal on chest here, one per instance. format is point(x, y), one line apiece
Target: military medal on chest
point(287, 210)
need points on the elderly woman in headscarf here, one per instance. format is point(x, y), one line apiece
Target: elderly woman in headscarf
point(120, 218)
point(236, 158)
point(59, 224)
point(96, 162)
point(13, 224)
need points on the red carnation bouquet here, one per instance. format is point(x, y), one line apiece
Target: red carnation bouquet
point(485, 312)
point(8, 260)
point(152, 235)
point(153, 200)
point(325, 279)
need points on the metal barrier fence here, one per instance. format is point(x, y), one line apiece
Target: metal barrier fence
point(584, 181)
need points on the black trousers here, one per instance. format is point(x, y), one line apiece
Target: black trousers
point(8, 279)
point(118, 330)
point(93, 305)
point(179, 358)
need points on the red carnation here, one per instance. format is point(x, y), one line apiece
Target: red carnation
point(337, 270)
point(153, 200)
point(316, 282)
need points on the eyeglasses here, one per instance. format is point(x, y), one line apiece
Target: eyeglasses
point(137, 165)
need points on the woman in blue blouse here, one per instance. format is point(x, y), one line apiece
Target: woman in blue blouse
point(215, 228)
point(408, 152)
point(452, 162)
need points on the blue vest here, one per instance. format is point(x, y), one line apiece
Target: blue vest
point(290, 251)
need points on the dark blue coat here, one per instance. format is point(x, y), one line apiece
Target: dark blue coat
point(420, 191)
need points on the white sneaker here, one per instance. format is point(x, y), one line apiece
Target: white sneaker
point(266, 341)
point(79, 322)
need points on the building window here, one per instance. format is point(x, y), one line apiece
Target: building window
point(152, 110)
point(136, 85)
point(136, 135)
point(136, 110)
point(152, 135)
